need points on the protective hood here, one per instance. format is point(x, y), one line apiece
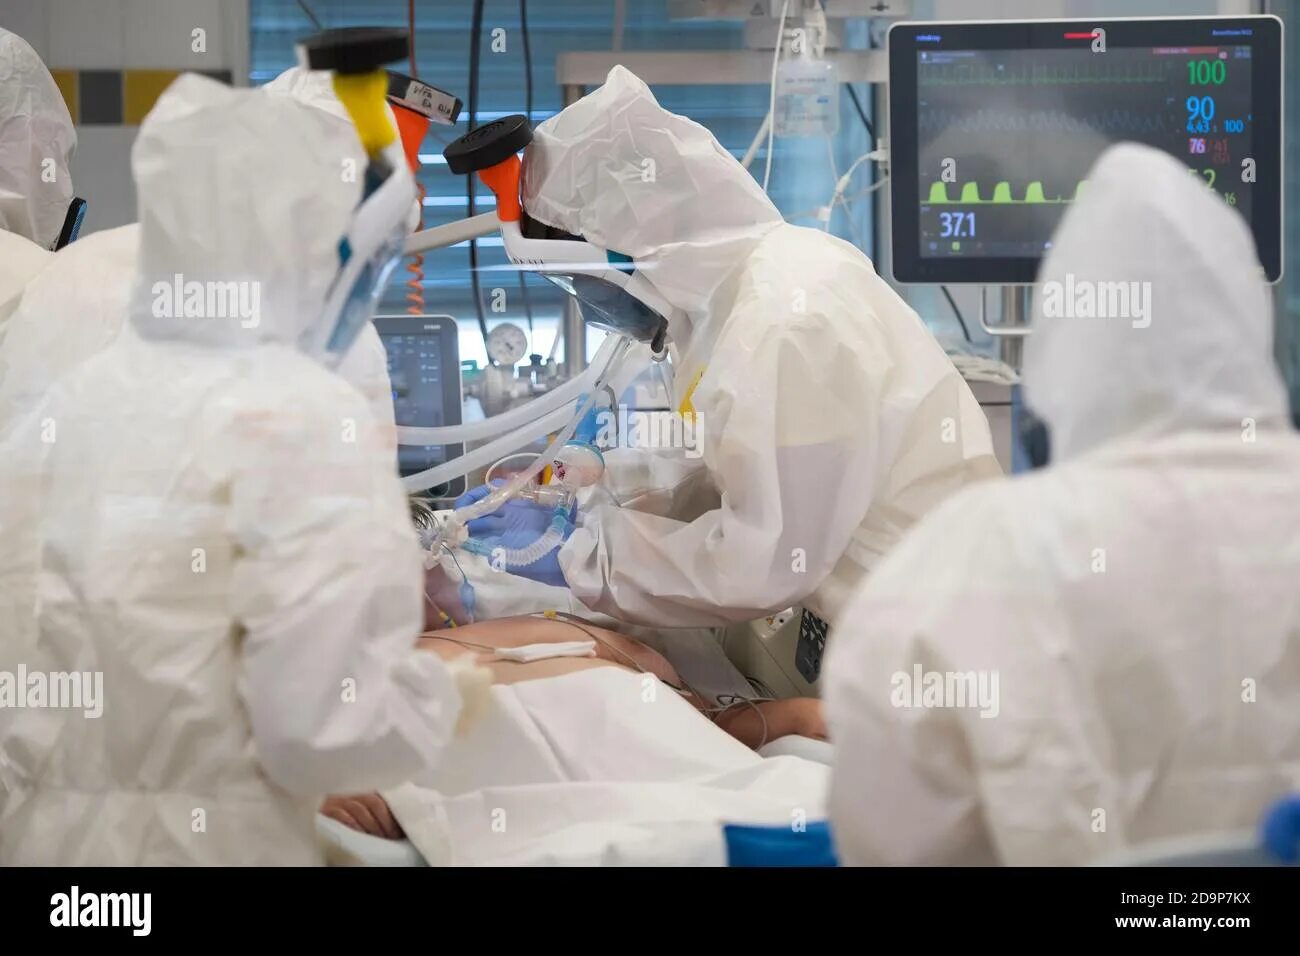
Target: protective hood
point(72, 309)
point(37, 141)
point(624, 173)
point(313, 87)
point(316, 89)
point(1151, 313)
point(237, 247)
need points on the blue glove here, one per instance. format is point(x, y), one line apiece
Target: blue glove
point(517, 524)
point(1281, 829)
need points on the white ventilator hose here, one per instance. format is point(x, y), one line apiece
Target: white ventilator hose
point(504, 492)
point(757, 141)
point(442, 237)
point(516, 417)
point(486, 454)
point(524, 435)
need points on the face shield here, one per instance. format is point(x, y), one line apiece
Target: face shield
point(368, 252)
point(610, 292)
point(608, 288)
point(372, 245)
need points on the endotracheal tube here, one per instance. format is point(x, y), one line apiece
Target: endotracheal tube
point(575, 460)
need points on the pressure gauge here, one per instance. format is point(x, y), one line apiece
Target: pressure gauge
point(507, 344)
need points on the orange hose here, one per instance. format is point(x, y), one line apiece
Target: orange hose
point(415, 284)
point(412, 126)
point(503, 180)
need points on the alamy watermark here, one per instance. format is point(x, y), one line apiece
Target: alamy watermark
point(53, 690)
point(133, 911)
point(182, 299)
point(944, 689)
point(639, 429)
point(1085, 299)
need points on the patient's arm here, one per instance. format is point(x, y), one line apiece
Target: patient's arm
point(367, 812)
point(762, 722)
point(751, 724)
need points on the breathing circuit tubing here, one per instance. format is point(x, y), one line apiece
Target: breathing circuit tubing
point(502, 493)
point(515, 418)
point(546, 542)
point(604, 369)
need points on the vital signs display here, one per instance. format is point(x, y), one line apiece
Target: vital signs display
point(994, 126)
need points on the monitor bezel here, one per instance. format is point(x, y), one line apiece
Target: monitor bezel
point(907, 264)
point(448, 333)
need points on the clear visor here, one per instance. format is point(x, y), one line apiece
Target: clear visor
point(610, 307)
point(363, 298)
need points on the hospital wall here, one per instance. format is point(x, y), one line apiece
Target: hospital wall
point(112, 58)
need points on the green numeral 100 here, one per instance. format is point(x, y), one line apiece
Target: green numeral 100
point(1204, 72)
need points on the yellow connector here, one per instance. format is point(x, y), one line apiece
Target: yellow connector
point(364, 95)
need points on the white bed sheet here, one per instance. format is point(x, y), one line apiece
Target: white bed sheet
point(599, 767)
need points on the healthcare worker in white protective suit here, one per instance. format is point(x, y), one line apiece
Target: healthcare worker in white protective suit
point(1125, 624)
point(76, 305)
point(366, 364)
point(829, 417)
point(216, 540)
point(73, 308)
point(37, 140)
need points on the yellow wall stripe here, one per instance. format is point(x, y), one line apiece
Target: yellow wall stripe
point(67, 83)
point(117, 97)
point(140, 91)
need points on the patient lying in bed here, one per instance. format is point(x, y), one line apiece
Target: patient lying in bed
point(574, 726)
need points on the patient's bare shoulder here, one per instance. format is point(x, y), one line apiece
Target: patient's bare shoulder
point(612, 648)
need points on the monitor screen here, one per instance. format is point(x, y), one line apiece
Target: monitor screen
point(994, 127)
point(424, 366)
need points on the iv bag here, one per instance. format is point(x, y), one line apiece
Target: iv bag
point(807, 98)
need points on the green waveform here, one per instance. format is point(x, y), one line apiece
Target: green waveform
point(1093, 69)
point(970, 195)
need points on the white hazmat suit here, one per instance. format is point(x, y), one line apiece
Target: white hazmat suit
point(830, 418)
point(1136, 602)
point(215, 539)
point(71, 309)
point(366, 363)
point(37, 140)
point(76, 305)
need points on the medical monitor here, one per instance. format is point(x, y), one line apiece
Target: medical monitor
point(424, 365)
point(993, 127)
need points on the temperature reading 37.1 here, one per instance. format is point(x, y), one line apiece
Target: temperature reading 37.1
point(1006, 136)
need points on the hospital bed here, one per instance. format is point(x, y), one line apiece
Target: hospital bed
point(1228, 849)
point(746, 661)
point(347, 847)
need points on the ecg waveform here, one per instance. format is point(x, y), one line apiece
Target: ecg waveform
point(970, 195)
point(1093, 70)
point(1114, 123)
